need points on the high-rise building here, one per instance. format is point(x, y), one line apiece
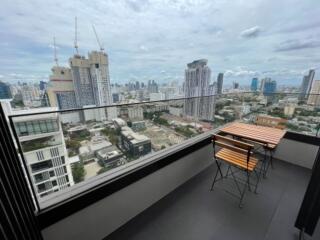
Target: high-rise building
point(269, 86)
point(115, 97)
point(153, 86)
point(254, 84)
point(219, 83)
point(5, 92)
point(314, 97)
point(30, 95)
point(44, 150)
point(42, 85)
point(99, 71)
point(198, 103)
point(235, 85)
point(82, 80)
point(60, 88)
point(307, 84)
point(86, 83)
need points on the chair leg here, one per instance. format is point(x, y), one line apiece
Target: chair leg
point(271, 159)
point(258, 180)
point(248, 180)
point(215, 177)
point(242, 194)
point(265, 164)
point(227, 171)
point(235, 180)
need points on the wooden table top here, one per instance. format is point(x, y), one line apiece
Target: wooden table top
point(266, 135)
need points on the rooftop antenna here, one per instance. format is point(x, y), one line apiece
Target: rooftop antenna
point(98, 41)
point(55, 52)
point(76, 37)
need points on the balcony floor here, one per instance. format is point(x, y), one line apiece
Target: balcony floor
point(193, 212)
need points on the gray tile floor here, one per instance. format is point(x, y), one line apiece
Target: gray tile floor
point(192, 212)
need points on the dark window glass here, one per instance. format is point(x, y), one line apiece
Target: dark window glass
point(41, 166)
point(54, 183)
point(43, 126)
point(41, 177)
point(41, 187)
point(62, 159)
point(51, 173)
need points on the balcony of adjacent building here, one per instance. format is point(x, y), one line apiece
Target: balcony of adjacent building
point(148, 175)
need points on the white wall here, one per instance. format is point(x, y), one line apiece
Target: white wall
point(298, 153)
point(103, 217)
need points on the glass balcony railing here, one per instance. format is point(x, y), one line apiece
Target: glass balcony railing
point(92, 144)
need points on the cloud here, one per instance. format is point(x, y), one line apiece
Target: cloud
point(144, 37)
point(143, 48)
point(300, 27)
point(240, 72)
point(138, 5)
point(251, 32)
point(297, 44)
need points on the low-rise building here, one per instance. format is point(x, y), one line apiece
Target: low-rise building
point(138, 126)
point(136, 145)
point(110, 156)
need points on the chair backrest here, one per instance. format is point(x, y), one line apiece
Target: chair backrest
point(269, 121)
point(234, 145)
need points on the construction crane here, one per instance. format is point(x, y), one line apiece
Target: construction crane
point(98, 41)
point(76, 37)
point(55, 52)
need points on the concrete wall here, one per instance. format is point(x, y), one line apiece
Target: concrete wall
point(103, 217)
point(298, 153)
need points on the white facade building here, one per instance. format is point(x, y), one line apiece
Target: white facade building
point(99, 69)
point(157, 96)
point(197, 81)
point(44, 150)
point(135, 113)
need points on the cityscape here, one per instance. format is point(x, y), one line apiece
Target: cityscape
point(113, 124)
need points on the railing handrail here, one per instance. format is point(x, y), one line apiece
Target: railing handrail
point(143, 102)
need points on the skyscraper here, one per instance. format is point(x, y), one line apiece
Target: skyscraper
point(269, 86)
point(153, 86)
point(60, 88)
point(254, 84)
point(99, 70)
point(307, 84)
point(197, 80)
point(5, 92)
point(235, 85)
point(82, 80)
point(314, 97)
point(219, 83)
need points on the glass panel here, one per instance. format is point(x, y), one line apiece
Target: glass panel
point(95, 142)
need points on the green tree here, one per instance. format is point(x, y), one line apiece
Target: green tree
point(78, 172)
point(72, 145)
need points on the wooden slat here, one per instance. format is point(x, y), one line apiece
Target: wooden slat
point(237, 159)
point(233, 142)
point(261, 134)
point(233, 148)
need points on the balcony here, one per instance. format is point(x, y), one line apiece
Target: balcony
point(193, 212)
point(157, 182)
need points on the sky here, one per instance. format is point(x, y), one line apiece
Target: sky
point(155, 39)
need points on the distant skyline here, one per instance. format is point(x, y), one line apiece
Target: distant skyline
point(156, 39)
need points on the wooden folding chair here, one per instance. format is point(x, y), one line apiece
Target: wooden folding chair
point(235, 154)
